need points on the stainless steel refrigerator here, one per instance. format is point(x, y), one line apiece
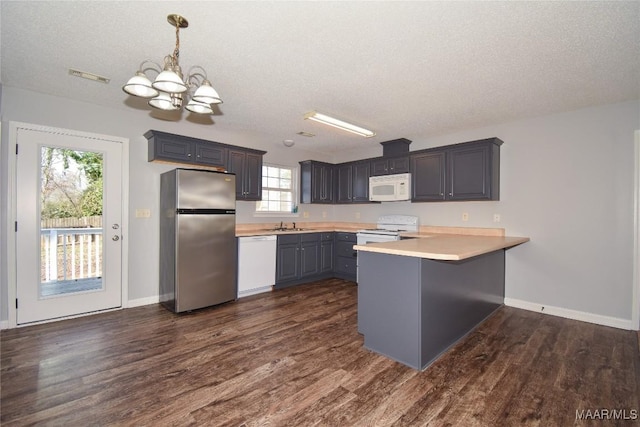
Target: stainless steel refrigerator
point(198, 253)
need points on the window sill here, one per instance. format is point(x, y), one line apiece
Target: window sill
point(275, 215)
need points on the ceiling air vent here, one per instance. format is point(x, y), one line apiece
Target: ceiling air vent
point(307, 134)
point(88, 76)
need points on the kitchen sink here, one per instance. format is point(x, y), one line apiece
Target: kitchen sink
point(286, 229)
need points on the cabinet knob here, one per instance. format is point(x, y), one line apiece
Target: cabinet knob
point(451, 194)
point(189, 155)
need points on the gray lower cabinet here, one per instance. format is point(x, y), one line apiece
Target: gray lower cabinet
point(326, 253)
point(466, 171)
point(416, 319)
point(345, 266)
point(303, 258)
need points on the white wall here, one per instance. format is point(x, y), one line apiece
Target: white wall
point(29, 107)
point(567, 182)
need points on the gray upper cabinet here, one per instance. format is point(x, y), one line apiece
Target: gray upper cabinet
point(316, 182)
point(344, 183)
point(466, 171)
point(246, 163)
point(428, 176)
point(360, 184)
point(352, 182)
point(389, 166)
point(182, 149)
point(247, 166)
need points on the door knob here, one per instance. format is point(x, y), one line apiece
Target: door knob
point(115, 226)
point(115, 238)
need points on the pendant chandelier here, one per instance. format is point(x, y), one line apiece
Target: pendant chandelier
point(170, 89)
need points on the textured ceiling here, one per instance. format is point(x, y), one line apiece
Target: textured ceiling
point(403, 69)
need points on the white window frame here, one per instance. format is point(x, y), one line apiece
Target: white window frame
point(294, 193)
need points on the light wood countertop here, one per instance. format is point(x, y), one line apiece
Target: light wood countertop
point(264, 229)
point(446, 247)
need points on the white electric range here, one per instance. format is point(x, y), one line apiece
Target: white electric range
point(388, 228)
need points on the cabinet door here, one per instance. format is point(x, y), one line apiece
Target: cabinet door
point(428, 176)
point(237, 165)
point(469, 173)
point(309, 255)
point(327, 184)
point(171, 149)
point(317, 172)
point(248, 170)
point(287, 265)
point(321, 183)
point(361, 174)
point(253, 177)
point(344, 183)
point(326, 256)
point(379, 167)
point(399, 165)
point(210, 155)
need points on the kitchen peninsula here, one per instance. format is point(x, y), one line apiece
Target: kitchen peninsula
point(417, 297)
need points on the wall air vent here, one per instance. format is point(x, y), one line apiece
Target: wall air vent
point(88, 76)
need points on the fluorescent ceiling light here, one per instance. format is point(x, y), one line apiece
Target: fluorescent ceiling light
point(328, 120)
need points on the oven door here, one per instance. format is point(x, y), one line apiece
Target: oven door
point(364, 238)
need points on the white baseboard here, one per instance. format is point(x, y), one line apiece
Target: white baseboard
point(583, 316)
point(4, 324)
point(143, 301)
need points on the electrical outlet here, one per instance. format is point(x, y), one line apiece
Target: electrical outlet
point(465, 216)
point(143, 213)
point(357, 215)
point(496, 217)
point(324, 214)
point(305, 214)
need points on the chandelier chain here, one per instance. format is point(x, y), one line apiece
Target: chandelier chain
point(176, 52)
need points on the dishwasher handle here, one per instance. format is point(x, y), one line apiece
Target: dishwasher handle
point(258, 238)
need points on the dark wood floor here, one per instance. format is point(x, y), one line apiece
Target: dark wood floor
point(294, 357)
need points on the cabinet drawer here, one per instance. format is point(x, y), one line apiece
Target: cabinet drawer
point(346, 237)
point(345, 249)
point(310, 237)
point(326, 236)
point(346, 265)
point(288, 239)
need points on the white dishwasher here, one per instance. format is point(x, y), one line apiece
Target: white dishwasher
point(256, 264)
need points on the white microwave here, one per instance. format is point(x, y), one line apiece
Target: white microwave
point(390, 188)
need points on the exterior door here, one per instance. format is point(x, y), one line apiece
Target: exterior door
point(68, 235)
